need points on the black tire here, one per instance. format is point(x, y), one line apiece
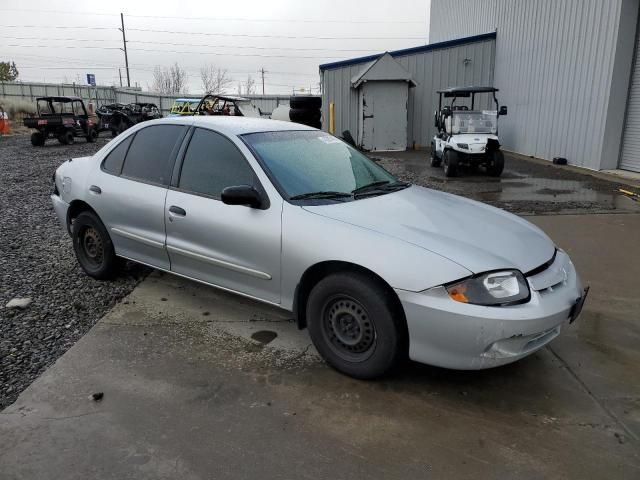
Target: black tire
point(495, 163)
point(92, 136)
point(434, 160)
point(354, 325)
point(304, 115)
point(307, 102)
point(66, 137)
point(316, 124)
point(37, 139)
point(93, 247)
point(114, 132)
point(450, 163)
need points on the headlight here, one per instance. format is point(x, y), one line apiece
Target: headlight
point(506, 287)
point(464, 146)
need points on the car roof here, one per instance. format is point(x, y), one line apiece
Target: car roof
point(230, 125)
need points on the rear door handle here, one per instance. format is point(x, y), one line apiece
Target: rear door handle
point(95, 189)
point(177, 211)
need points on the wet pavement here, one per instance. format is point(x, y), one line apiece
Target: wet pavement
point(525, 187)
point(201, 384)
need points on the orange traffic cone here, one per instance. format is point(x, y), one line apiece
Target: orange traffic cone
point(5, 125)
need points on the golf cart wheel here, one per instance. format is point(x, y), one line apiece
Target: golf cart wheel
point(37, 139)
point(354, 325)
point(93, 246)
point(66, 137)
point(450, 163)
point(434, 161)
point(92, 135)
point(495, 164)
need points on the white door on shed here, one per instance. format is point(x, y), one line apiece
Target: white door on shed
point(383, 106)
point(630, 156)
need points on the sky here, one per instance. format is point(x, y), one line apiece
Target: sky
point(61, 41)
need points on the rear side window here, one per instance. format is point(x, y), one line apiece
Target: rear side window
point(211, 163)
point(115, 159)
point(151, 153)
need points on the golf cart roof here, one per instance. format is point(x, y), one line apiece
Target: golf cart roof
point(466, 91)
point(60, 99)
point(187, 100)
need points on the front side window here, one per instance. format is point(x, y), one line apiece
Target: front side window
point(151, 153)
point(307, 162)
point(212, 163)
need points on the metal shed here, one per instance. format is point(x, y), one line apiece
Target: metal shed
point(420, 71)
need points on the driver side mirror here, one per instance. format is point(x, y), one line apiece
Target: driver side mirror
point(241, 195)
point(503, 110)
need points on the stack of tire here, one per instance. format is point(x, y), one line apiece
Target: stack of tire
point(306, 110)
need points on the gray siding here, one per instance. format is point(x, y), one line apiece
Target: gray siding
point(554, 68)
point(431, 70)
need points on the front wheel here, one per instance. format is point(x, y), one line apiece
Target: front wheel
point(450, 162)
point(434, 161)
point(38, 139)
point(92, 136)
point(495, 164)
point(93, 247)
point(354, 325)
point(66, 137)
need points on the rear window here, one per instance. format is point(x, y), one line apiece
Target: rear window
point(151, 153)
point(115, 159)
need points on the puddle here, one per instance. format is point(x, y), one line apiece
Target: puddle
point(264, 336)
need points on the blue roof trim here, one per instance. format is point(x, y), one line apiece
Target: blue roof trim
point(409, 51)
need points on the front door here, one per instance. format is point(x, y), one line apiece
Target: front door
point(384, 115)
point(231, 246)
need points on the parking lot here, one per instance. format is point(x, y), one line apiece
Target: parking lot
point(201, 384)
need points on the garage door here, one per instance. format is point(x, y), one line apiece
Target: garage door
point(630, 158)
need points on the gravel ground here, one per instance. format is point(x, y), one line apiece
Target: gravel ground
point(37, 261)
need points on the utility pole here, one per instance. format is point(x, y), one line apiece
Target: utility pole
point(124, 43)
point(120, 73)
point(262, 71)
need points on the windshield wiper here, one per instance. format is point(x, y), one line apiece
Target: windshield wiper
point(382, 185)
point(323, 194)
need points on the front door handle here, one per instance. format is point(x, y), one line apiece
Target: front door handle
point(177, 211)
point(95, 189)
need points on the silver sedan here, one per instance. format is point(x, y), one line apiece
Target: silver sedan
point(375, 268)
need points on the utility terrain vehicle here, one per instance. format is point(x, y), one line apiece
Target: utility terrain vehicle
point(226, 105)
point(64, 118)
point(118, 117)
point(467, 134)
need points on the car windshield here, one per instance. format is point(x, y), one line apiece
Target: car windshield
point(45, 107)
point(484, 121)
point(313, 162)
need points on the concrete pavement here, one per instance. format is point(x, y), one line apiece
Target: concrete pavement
point(189, 393)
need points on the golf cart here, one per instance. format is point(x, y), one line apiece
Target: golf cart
point(64, 118)
point(467, 134)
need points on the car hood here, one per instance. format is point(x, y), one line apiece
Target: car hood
point(475, 235)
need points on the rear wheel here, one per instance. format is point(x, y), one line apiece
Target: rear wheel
point(495, 164)
point(37, 139)
point(93, 247)
point(66, 137)
point(92, 136)
point(434, 161)
point(450, 163)
point(354, 326)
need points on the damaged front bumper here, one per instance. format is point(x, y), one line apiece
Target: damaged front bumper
point(450, 334)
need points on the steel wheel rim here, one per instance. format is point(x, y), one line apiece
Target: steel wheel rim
point(348, 328)
point(92, 246)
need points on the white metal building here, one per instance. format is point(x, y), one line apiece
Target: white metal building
point(387, 101)
point(569, 70)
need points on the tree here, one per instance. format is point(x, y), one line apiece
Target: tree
point(250, 86)
point(8, 71)
point(214, 80)
point(170, 80)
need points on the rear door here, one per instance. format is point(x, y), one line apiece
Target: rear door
point(231, 246)
point(129, 191)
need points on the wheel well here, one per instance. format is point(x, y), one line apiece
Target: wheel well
point(317, 272)
point(76, 207)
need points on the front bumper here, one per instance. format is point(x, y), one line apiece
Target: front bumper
point(61, 207)
point(461, 336)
